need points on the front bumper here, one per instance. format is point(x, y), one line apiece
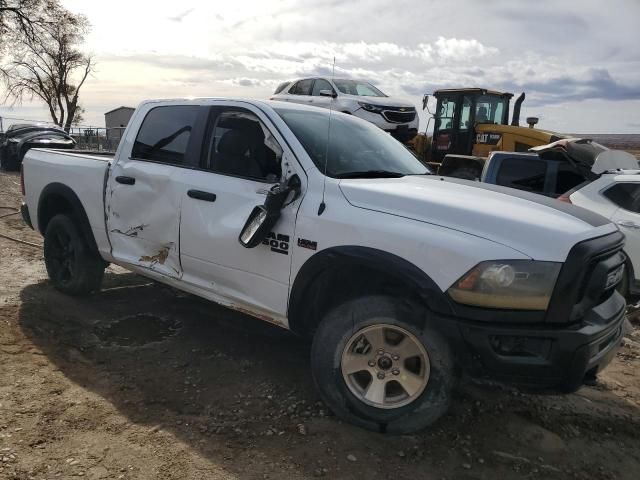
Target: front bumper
point(544, 356)
point(24, 211)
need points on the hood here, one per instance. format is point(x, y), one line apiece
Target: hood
point(537, 226)
point(380, 101)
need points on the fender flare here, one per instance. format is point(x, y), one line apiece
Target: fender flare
point(349, 256)
point(77, 210)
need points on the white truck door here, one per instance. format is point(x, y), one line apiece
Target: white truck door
point(143, 194)
point(242, 158)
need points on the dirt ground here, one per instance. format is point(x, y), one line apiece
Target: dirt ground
point(143, 382)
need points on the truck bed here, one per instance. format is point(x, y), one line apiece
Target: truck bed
point(83, 172)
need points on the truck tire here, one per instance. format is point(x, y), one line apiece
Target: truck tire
point(466, 173)
point(72, 267)
point(378, 363)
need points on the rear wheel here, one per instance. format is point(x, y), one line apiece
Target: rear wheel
point(72, 267)
point(379, 364)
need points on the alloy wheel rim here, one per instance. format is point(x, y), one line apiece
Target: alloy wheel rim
point(62, 255)
point(385, 366)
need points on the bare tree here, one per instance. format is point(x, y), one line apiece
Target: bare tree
point(21, 17)
point(50, 66)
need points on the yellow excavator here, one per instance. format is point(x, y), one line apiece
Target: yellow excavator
point(469, 124)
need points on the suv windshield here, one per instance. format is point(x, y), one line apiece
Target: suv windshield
point(362, 89)
point(356, 148)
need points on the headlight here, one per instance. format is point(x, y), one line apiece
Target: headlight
point(508, 284)
point(371, 108)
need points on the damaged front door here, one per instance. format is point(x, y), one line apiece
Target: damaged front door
point(144, 192)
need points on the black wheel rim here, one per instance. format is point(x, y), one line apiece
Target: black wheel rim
point(61, 257)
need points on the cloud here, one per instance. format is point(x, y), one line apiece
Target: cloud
point(462, 49)
point(247, 82)
point(180, 17)
point(572, 56)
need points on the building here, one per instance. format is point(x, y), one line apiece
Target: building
point(116, 120)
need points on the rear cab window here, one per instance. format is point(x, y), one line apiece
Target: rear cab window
point(165, 134)
point(523, 174)
point(529, 172)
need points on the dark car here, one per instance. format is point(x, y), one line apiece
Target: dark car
point(19, 138)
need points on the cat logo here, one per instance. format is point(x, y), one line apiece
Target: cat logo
point(488, 138)
point(278, 242)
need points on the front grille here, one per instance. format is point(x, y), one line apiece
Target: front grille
point(582, 280)
point(397, 116)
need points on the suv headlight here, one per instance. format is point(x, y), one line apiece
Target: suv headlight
point(371, 108)
point(507, 284)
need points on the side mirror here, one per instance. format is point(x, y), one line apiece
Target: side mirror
point(263, 217)
point(425, 99)
point(328, 93)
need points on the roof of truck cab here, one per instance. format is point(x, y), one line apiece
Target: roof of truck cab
point(483, 91)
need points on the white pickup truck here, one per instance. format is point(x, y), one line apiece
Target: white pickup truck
point(320, 222)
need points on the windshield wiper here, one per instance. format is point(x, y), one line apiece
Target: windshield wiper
point(371, 174)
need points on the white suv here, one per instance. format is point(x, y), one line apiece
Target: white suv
point(355, 97)
point(616, 196)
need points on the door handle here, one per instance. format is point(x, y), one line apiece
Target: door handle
point(126, 180)
point(200, 195)
point(629, 224)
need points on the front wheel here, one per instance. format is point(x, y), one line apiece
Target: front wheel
point(379, 364)
point(72, 267)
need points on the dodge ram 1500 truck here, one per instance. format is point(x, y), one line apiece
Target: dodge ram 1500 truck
point(320, 222)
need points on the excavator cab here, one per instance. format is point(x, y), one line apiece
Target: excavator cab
point(458, 111)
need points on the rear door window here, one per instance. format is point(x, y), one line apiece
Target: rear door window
point(165, 134)
point(523, 174)
point(625, 195)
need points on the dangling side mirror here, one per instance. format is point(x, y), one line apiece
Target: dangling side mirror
point(425, 100)
point(263, 217)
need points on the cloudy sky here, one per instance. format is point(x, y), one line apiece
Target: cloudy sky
point(577, 60)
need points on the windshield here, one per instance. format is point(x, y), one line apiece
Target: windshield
point(362, 89)
point(356, 148)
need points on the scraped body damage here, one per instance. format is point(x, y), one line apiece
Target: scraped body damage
point(143, 219)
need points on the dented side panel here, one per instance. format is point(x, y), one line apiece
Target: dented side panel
point(143, 219)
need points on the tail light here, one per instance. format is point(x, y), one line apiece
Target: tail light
point(22, 179)
point(565, 198)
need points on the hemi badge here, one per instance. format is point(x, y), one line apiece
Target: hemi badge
point(304, 243)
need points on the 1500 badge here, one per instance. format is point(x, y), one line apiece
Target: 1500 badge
point(278, 242)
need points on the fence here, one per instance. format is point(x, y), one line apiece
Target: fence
point(86, 137)
point(97, 138)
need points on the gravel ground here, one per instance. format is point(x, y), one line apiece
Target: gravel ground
point(143, 382)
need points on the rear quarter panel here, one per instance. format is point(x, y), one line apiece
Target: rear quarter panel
point(84, 174)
